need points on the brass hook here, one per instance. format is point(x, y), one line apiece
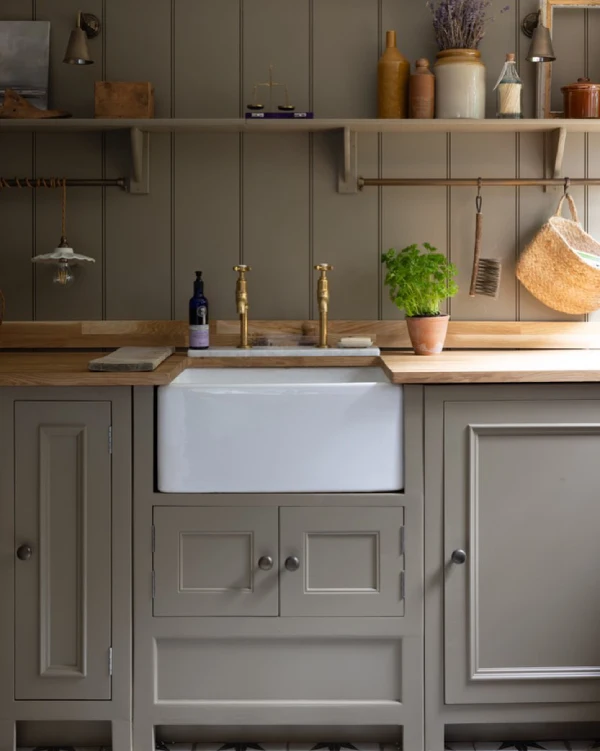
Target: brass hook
point(567, 186)
point(479, 199)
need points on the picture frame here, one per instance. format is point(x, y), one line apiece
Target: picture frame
point(544, 74)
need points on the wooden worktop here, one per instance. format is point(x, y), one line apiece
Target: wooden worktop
point(475, 366)
point(497, 366)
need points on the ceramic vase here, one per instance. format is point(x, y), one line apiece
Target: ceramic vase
point(428, 333)
point(460, 85)
point(393, 71)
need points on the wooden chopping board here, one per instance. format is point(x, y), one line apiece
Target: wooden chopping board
point(132, 358)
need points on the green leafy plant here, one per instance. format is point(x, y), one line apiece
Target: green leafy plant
point(419, 281)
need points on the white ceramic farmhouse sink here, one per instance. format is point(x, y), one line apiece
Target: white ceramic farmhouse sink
point(263, 430)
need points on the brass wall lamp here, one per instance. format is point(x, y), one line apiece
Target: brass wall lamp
point(540, 50)
point(87, 27)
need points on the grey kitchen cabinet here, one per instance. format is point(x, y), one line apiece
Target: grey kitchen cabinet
point(63, 550)
point(342, 561)
point(521, 480)
point(265, 561)
point(65, 560)
point(215, 561)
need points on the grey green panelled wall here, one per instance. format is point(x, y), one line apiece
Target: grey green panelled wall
point(271, 200)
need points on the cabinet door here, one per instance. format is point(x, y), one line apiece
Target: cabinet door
point(522, 498)
point(215, 561)
point(63, 586)
point(342, 561)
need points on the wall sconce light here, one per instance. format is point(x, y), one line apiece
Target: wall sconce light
point(77, 52)
point(64, 257)
point(541, 49)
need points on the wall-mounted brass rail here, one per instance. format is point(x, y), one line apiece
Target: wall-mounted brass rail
point(490, 182)
point(58, 182)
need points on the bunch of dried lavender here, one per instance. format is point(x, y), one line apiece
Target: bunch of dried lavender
point(460, 24)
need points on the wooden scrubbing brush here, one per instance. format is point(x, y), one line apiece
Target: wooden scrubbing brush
point(485, 279)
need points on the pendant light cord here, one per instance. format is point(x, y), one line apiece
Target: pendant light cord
point(64, 208)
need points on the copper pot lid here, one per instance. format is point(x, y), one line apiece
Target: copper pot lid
point(583, 84)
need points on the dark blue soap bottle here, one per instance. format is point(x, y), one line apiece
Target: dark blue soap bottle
point(199, 336)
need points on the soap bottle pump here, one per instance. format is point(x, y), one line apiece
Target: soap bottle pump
point(199, 336)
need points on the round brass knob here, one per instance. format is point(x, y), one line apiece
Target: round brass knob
point(459, 557)
point(265, 563)
point(292, 563)
point(24, 552)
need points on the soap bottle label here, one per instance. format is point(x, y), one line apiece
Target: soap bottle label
point(199, 337)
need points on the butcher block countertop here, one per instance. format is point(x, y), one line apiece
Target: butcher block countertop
point(475, 366)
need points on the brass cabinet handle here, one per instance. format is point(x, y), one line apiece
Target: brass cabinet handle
point(265, 563)
point(24, 552)
point(292, 563)
point(459, 557)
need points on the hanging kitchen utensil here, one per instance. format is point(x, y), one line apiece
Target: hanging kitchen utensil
point(486, 274)
point(561, 265)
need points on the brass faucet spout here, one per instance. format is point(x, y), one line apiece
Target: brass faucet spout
point(241, 300)
point(323, 298)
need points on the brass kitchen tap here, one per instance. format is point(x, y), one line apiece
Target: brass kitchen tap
point(241, 299)
point(323, 298)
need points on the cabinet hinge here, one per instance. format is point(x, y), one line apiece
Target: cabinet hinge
point(153, 538)
point(402, 586)
point(402, 541)
point(153, 585)
point(110, 439)
point(110, 660)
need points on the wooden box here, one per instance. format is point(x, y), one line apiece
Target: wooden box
point(123, 99)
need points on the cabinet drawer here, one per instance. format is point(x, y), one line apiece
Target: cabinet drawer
point(350, 561)
point(206, 561)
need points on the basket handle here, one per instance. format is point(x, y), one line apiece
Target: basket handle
point(572, 207)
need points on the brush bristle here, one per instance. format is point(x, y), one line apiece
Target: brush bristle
point(488, 277)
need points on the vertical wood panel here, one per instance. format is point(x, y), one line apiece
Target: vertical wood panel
point(276, 225)
point(71, 86)
point(345, 58)
point(138, 228)
point(413, 27)
point(16, 207)
point(484, 156)
point(568, 39)
point(74, 155)
point(412, 215)
point(346, 230)
point(206, 58)
point(276, 213)
point(207, 214)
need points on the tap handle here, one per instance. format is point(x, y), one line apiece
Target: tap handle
point(323, 268)
point(242, 268)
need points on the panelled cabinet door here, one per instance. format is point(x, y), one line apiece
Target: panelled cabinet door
point(522, 499)
point(63, 550)
point(342, 561)
point(212, 561)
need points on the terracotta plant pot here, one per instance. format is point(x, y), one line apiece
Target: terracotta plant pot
point(428, 334)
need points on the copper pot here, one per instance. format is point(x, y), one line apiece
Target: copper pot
point(582, 99)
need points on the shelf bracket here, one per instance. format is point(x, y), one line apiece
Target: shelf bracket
point(348, 177)
point(139, 182)
point(555, 152)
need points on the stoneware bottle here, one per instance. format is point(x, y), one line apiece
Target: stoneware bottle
point(460, 84)
point(393, 71)
point(421, 99)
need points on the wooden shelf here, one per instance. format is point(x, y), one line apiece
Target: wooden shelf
point(140, 131)
point(240, 125)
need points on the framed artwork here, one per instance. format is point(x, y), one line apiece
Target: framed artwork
point(25, 60)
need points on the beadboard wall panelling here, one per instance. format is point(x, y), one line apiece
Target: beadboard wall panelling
point(16, 206)
point(484, 155)
point(346, 227)
point(207, 219)
point(271, 200)
point(413, 214)
point(139, 258)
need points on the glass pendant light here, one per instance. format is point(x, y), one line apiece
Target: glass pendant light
point(64, 258)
